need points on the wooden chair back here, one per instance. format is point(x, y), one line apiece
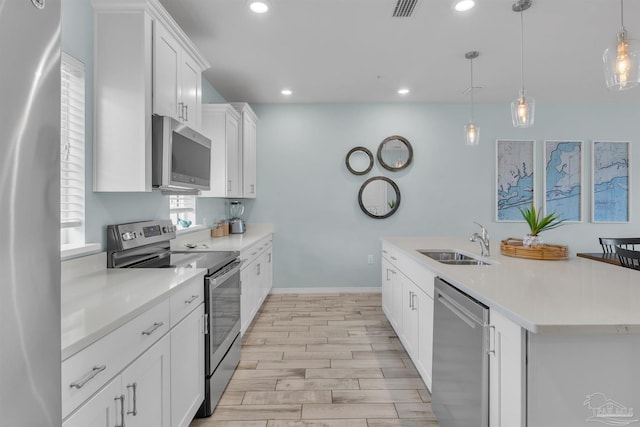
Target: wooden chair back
point(628, 258)
point(609, 244)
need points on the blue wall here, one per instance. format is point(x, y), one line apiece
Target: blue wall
point(304, 189)
point(322, 236)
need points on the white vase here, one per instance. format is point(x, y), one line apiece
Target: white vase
point(532, 241)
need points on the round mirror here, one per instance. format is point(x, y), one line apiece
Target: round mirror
point(395, 153)
point(359, 160)
point(379, 197)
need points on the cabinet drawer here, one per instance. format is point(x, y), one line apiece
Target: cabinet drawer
point(186, 299)
point(251, 253)
point(87, 371)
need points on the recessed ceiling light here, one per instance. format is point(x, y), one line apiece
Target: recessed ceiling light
point(286, 92)
point(403, 91)
point(259, 6)
point(463, 5)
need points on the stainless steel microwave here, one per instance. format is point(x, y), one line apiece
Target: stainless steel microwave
point(181, 156)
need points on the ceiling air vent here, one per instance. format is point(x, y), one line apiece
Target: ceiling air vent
point(404, 8)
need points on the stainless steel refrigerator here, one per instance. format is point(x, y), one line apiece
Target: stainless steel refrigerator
point(30, 213)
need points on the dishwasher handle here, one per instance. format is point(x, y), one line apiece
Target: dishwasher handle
point(464, 314)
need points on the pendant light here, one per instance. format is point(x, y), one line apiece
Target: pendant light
point(622, 61)
point(522, 108)
point(471, 130)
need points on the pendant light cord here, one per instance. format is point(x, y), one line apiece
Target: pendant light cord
point(622, 15)
point(522, 51)
point(472, 89)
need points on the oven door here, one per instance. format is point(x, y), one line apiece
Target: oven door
point(223, 307)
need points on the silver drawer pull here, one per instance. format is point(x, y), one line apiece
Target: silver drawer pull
point(134, 386)
point(82, 381)
point(394, 258)
point(192, 299)
point(121, 399)
point(152, 329)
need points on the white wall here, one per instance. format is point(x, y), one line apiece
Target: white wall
point(322, 237)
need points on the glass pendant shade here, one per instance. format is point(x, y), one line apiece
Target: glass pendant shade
point(522, 111)
point(472, 134)
point(622, 64)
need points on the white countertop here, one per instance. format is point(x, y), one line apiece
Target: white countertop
point(232, 242)
point(542, 296)
point(95, 300)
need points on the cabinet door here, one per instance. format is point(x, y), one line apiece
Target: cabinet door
point(249, 134)
point(187, 368)
point(166, 73)
point(397, 302)
point(104, 409)
point(146, 386)
point(506, 373)
point(190, 91)
point(233, 157)
point(410, 305)
point(387, 288)
point(424, 363)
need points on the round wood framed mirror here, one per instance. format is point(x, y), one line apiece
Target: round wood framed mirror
point(379, 197)
point(359, 160)
point(395, 153)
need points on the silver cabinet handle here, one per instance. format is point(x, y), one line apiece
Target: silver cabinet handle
point(134, 412)
point(229, 186)
point(270, 257)
point(384, 252)
point(491, 345)
point(82, 381)
point(394, 258)
point(121, 399)
point(181, 110)
point(258, 269)
point(186, 113)
point(413, 301)
point(192, 299)
point(153, 328)
point(205, 330)
point(253, 254)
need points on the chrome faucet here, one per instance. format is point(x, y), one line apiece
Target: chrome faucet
point(483, 238)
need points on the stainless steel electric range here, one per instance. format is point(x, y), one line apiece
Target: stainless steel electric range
point(147, 244)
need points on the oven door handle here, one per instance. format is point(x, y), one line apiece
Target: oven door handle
point(216, 279)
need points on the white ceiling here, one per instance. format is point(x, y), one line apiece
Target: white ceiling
point(355, 51)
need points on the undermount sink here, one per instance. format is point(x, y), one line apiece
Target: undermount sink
point(452, 257)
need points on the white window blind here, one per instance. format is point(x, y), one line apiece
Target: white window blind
point(72, 145)
point(183, 207)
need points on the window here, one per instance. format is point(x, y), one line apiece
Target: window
point(183, 207)
point(72, 144)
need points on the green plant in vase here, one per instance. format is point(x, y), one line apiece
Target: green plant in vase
point(538, 224)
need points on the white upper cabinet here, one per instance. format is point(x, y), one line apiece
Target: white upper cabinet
point(176, 79)
point(143, 64)
point(248, 138)
point(221, 123)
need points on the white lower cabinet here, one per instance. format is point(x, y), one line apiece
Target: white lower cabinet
point(407, 301)
point(187, 368)
point(148, 372)
point(256, 279)
point(138, 397)
point(506, 373)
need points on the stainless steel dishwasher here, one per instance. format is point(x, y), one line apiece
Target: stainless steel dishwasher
point(460, 359)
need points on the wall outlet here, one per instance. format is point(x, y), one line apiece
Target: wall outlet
point(369, 259)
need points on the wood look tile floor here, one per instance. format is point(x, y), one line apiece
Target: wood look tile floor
point(327, 360)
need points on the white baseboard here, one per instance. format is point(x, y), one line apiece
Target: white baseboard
point(327, 290)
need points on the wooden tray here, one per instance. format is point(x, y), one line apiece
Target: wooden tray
point(513, 247)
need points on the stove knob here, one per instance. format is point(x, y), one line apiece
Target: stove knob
point(165, 230)
point(128, 236)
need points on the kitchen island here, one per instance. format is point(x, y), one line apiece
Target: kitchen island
point(564, 335)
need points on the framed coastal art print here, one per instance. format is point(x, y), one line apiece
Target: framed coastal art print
point(562, 178)
point(515, 180)
point(611, 181)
